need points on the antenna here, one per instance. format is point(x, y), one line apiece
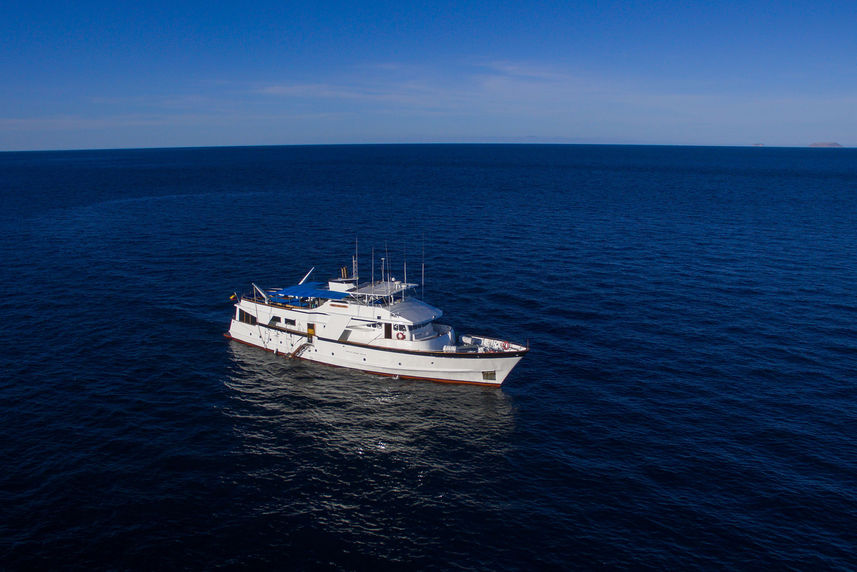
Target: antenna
point(355, 263)
point(423, 278)
point(373, 270)
point(405, 256)
point(387, 254)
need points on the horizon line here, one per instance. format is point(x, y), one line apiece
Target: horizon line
point(815, 145)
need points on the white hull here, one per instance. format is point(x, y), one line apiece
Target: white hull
point(319, 335)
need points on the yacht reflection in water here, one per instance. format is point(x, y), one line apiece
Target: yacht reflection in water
point(358, 413)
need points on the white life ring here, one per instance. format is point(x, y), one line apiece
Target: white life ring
point(400, 336)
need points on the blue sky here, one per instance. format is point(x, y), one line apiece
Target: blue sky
point(157, 74)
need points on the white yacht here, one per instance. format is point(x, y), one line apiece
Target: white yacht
point(379, 327)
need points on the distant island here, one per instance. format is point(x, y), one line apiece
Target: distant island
point(825, 145)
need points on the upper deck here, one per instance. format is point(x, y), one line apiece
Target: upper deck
point(382, 289)
point(346, 297)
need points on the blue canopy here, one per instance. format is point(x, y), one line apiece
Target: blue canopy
point(309, 290)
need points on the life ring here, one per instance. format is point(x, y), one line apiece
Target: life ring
point(400, 336)
point(506, 345)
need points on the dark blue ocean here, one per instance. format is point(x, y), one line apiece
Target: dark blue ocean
point(688, 402)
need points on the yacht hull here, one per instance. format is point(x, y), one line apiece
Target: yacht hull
point(487, 368)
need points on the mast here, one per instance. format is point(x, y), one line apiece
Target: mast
point(306, 276)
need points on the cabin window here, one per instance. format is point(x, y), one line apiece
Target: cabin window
point(489, 376)
point(274, 321)
point(289, 322)
point(246, 318)
point(399, 327)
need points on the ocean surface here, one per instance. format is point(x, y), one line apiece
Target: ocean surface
point(688, 402)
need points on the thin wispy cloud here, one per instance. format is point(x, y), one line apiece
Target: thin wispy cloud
point(528, 70)
point(495, 85)
point(72, 122)
point(170, 101)
point(411, 94)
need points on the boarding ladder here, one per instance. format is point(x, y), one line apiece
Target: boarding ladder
point(299, 350)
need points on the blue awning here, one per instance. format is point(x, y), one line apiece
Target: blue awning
point(309, 290)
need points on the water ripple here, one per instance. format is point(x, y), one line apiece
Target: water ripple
point(686, 402)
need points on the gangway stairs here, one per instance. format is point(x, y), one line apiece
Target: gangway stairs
point(300, 350)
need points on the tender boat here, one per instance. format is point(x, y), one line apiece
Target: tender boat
point(378, 327)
